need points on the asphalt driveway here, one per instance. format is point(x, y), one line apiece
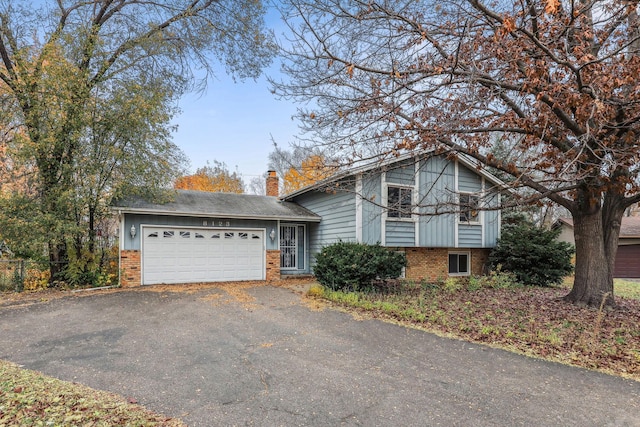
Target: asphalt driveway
point(261, 356)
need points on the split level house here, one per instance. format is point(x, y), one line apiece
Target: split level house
point(442, 213)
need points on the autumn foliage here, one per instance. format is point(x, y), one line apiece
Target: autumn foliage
point(216, 179)
point(312, 170)
point(555, 82)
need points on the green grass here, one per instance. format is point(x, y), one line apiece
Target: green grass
point(626, 288)
point(621, 287)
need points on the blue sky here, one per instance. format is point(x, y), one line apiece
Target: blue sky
point(234, 123)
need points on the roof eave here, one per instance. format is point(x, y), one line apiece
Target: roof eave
point(141, 211)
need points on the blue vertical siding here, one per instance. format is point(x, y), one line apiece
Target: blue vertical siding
point(491, 221)
point(403, 174)
point(468, 180)
point(437, 190)
point(371, 209)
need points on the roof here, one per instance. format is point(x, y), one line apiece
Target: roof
point(629, 226)
point(464, 160)
point(225, 205)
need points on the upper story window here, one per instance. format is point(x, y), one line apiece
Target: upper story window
point(399, 202)
point(469, 208)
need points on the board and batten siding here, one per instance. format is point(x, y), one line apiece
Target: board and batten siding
point(371, 209)
point(403, 174)
point(491, 220)
point(468, 181)
point(338, 213)
point(437, 187)
point(470, 235)
point(138, 220)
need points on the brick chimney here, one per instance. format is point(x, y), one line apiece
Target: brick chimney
point(272, 184)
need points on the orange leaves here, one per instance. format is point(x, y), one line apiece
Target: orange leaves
point(215, 179)
point(312, 170)
point(509, 24)
point(551, 6)
point(350, 70)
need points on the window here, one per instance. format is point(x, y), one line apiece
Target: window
point(229, 235)
point(168, 234)
point(399, 202)
point(154, 234)
point(215, 236)
point(459, 264)
point(469, 208)
point(185, 234)
point(199, 236)
point(243, 235)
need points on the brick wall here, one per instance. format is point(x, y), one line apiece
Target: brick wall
point(130, 269)
point(479, 258)
point(273, 265)
point(432, 264)
point(427, 263)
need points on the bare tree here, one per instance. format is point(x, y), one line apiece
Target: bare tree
point(558, 77)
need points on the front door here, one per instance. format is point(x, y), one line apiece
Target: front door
point(292, 247)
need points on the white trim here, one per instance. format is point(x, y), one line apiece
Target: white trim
point(383, 216)
point(304, 249)
point(499, 215)
point(385, 199)
point(359, 208)
point(480, 218)
point(225, 215)
point(121, 244)
point(141, 233)
point(481, 215)
point(456, 221)
point(416, 200)
point(458, 252)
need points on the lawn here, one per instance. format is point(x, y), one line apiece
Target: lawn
point(528, 320)
point(28, 398)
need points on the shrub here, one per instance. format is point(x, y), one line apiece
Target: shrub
point(532, 254)
point(349, 265)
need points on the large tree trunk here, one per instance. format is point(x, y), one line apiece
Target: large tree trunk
point(595, 258)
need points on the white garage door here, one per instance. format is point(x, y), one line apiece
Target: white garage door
point(188, 255)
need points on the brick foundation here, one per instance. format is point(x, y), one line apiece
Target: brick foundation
point(130, 269)
point(273, 265)
point(432, 264)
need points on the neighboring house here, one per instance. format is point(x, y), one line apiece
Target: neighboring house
point(442, 213)
point(627, 264)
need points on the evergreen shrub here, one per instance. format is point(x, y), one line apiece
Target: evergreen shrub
point(354, 266)
point(533, 254)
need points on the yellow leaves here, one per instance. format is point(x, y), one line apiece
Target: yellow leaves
point(312, 170)
point(552, 6)
point(215, 180)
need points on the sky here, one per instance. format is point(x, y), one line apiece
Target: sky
point(235, 122)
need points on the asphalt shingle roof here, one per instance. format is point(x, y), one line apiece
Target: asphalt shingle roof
point(226, 205)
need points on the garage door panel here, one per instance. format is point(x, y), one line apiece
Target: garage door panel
point(181, 255)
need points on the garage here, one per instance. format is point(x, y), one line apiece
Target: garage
point(627, 263)
point(189, 255)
